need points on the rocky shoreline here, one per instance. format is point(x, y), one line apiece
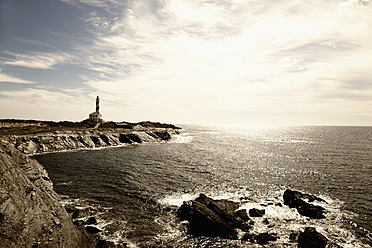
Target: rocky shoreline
point(37, 137)
point(87, 139)
point(31, 214)
point(225, 219)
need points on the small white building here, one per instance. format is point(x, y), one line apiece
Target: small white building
point(96, 116)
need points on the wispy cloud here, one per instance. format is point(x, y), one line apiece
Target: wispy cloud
point(233, 58)
point(11, 79)
point(233, 54)
point(35, 60)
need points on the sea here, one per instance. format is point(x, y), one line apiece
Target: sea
point(134, 191)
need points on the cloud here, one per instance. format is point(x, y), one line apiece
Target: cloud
point(12, 79)
point(36, 60)
point(229, 57)
point(51, 104)
point(355, 3)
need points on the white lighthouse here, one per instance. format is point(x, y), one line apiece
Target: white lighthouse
point(96, 116)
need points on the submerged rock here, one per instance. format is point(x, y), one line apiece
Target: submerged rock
point(242, 214)
point(265, 238)
point(248, 237)
point(92, 229)
point(213, 218)
point(309, 210)
point(254, 212)
point(310, 238)
point(296, 199)
point(262, 238)
point(92, 221)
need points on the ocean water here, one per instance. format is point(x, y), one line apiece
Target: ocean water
point(134, 190)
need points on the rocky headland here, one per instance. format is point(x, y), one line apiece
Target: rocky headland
point(31, 214)
point(37, 137)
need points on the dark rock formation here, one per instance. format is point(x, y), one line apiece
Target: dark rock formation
point(310, 238)
point(242, 214)
point(296, 199)
point(73, 211)
point(163, 135)
point(293, 236)
point(108, 244)
point(262, 238)
point(91, 221)
point(265, 238)
point(254, 212)
point(213, 218)
point(31, 214)
point(248, 237)
point(92, 229)
point(309, 210)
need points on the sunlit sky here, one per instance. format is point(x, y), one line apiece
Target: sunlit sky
point(285, 62)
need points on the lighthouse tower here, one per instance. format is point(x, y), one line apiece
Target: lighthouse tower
point(96, 116)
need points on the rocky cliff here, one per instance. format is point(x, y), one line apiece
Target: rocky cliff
point(85, 139)
point(30, 212)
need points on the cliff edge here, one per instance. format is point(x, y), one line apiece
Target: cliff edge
point(36, 137)
point(30, 212)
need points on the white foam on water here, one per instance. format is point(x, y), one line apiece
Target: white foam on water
point(278, 218)
point(181, 138)
point(176, 199)
point(114, 231)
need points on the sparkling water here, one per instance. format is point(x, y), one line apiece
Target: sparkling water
point(136, 189)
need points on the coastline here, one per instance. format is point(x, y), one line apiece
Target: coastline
point(85, 140)
point(31, 212)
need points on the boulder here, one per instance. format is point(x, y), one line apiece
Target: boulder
point(91, 221)
point(293, 197)
point(73, 211)
point(92, 229)
point(265, 238)
point(296, 199)
point(310, 238)
point(163, 135)
point(312, 211)
point(108, 244)
point(213, 218)
point(242, 214)
point(254, 212)
point(293, 236)
point(248, 237)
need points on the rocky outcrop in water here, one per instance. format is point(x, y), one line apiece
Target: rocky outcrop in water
point(296, 199)
point(213, 218)
point(254, 212)
point(310, 238)
point(30, 212)
point(222, 218)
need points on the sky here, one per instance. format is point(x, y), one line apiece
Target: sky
point(286, 62)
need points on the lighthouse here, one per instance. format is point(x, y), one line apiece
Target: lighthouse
point(96, 116)
point(97, 104)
